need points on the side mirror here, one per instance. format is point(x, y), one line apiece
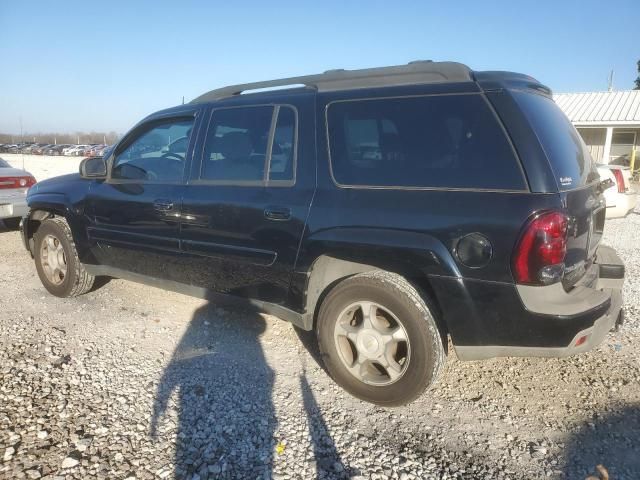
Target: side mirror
point(94, 168)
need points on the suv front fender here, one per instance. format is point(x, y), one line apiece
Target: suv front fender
point(45, 205)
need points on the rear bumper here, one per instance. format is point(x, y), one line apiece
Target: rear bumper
point(13, 207)
point(591, 337)
point(494, 320)
point(621, 204)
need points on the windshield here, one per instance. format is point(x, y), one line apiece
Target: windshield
point(567, 153)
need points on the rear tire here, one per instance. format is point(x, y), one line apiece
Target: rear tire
point(389, 356)
point(57, 262)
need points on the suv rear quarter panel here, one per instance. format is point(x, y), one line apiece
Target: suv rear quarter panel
point(415, 232)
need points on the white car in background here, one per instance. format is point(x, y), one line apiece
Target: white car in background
point(622, 197)
point(76, 150)
point(14, 184)
point(65, 151)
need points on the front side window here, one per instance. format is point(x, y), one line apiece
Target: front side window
point(158, 154)
point(255, 144)
point(442, 141)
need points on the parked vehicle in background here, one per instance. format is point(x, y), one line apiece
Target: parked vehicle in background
point(387, 209)
point(40, 150)
point(81, 150)
point(11, 148)
point(103, 151)
point(67, 150)
point(87, 151)
point(57, 150)
point(77, 150)
point(622, 196)
point(94, 150)
point(54, 150)
point(14, 184)
point(30, 148)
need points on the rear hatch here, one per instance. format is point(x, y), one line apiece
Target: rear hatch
point(576, 177)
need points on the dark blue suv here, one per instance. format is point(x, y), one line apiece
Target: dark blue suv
point(388, 209)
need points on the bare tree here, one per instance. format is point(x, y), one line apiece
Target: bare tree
point(60, 138)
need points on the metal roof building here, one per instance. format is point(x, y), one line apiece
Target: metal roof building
point(609, 123)
point(601, 108)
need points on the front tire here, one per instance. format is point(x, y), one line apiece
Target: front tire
point(57, 262)
point(379, 339)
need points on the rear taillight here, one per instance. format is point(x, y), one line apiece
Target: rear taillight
point(538, 258)
point(619, 179)
point(17, 182)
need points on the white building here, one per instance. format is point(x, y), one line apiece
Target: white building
point(609, 123)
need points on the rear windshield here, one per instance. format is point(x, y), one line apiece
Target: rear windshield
point(567, 153)
point(437, 141)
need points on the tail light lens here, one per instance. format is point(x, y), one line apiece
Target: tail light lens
point(619, 179)
point(17, 182)
point(538, 258)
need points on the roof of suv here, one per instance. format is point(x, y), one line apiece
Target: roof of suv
point(418, 72)
point(414, 73)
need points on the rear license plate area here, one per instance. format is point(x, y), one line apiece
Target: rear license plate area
point(6, 210)
point(596, 228)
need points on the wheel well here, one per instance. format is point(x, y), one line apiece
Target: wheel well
point(36, 217)
point(327, 272)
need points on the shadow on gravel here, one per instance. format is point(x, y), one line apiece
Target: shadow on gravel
point(310, 343)
point(223, 385)
point(611, 439)
point(328, 461)
point(222, 388)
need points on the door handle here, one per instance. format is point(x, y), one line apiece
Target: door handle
point(277, 214)
point(163, 205)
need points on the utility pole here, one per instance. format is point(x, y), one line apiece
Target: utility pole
point(21, 140)
point(610, 81)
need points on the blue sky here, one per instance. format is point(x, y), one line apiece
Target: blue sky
point(72, 65)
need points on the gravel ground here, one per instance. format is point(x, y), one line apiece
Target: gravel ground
point(130, 382)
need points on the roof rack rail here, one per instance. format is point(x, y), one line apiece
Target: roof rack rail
point(418, 72)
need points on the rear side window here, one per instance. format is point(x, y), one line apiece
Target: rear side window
point(445, 141)
point(283, 153)
point(236, 145)
point(567, 153)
